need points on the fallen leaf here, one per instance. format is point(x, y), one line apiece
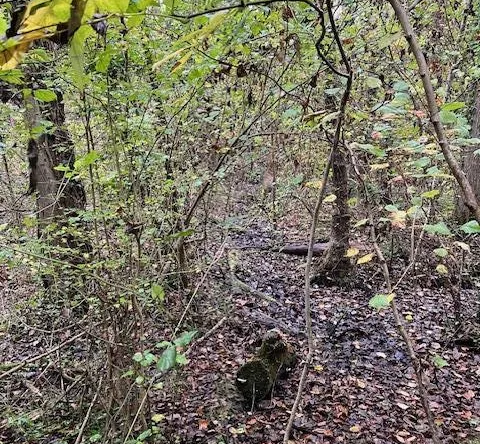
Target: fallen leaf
point(203, 424)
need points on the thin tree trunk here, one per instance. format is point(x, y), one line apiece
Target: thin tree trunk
point(471, 163)
point(464, 184)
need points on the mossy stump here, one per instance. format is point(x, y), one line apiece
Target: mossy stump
point(275, 357)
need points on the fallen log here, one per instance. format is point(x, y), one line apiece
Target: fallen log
point(275, 358)
point(302, 250)
point(294, 249)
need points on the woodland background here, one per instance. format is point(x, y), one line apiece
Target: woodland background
point(180, 178)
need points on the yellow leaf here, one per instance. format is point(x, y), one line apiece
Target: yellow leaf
point(158, 417)
point(365, 259)
point(379, 166)
point(352, 252)
point(314, 184)
point(355, 429)
point(463, 246)
point(157, 65)
point(42, 17)
point(182, 61)
point(318, 368)
point(331, 198)
point(11, 57)
point(206, 30)
point(441, 269)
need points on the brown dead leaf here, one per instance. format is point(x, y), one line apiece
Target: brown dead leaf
point(203, 424)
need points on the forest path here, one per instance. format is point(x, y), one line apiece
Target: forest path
point(360, 388)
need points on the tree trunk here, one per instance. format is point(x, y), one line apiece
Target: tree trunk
point(335, 263)
point(256, 378)
point(471, 162)
point(56, 196)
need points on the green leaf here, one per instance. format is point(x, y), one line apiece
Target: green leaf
point(374, 82)
point(185, 338)
point(104, 60)
point(422, 162)
point(139, 380)
point(158, 293)
point(381, 301)
point(330, 198)
point(291, 113)
point(441, 269)
point(13, 76)
point(45, 95)
point(401, 86)
point(3, 27)
point(441, 252)
point(360, 223)
point(453, 106)
point(431, 194)
point(181, 359)
point(61, 10)
point(77, 46)
point(137, 357)
point(378, 152)
point(86, 160)
point(447, 117)
point(158, 417)
point(439, 362)
point(112, 6)
point(388, 39)
point(438, 228)
point(471, 227)
point(391, 208)
point(168, 359)
point(144, 435)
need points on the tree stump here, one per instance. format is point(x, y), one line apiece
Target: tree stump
point(275, 357)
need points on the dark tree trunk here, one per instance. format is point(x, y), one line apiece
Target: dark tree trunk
point(56, 196)
point(471, 162)
point(335, 262)
point(256, 378)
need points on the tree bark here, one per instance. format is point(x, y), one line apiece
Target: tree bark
point(471, 162)
point(56, 196)
point(256, 378)
point(335, 262)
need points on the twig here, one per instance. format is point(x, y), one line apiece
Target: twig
point(207, 334)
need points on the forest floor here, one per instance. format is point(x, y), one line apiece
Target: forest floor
point(360, 387)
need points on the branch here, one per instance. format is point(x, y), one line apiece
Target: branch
point(470, 199)
point(243, 5)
